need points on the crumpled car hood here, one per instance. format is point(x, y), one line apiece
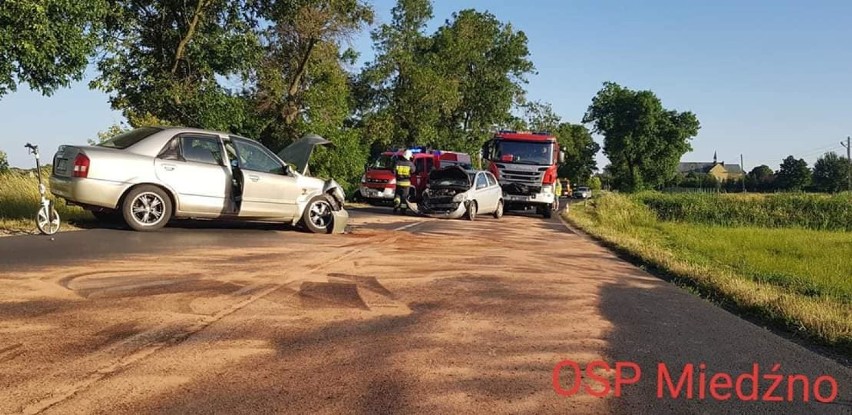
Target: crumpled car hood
point(299, 153)
point(449, 177)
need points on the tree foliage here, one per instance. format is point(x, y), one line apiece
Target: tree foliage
point(595, 183)
point(830, 173)
point(4, 162)
point(761, 178)
point(166, 58)
point(448, 89)
point(300, 83)
point(793, 175)
point(643, 140)
point(47, 43)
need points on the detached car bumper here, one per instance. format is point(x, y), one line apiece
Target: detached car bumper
point(341, 220)
point(88, 192)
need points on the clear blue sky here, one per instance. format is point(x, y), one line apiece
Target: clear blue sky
point(766, 78)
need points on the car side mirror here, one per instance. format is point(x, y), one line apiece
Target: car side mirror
point(561, 156)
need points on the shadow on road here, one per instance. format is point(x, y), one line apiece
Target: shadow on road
point(654, 322)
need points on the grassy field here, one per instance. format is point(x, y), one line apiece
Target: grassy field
point(19, 201)
point(790, 276)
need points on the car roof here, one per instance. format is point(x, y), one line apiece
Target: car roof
point(195, 130)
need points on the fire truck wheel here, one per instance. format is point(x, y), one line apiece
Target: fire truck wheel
point(471, 211)
point(547, 212)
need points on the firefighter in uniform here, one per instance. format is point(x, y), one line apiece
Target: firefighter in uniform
point(403, 169)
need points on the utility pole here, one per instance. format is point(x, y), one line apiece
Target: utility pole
point(742, 167)
point(848, 145)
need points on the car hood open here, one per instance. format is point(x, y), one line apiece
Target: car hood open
point(453, 176)
point(299, 153)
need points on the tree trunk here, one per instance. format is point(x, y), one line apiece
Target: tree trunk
point(292, 110)
point(190, 32)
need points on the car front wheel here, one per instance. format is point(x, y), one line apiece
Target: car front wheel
point(471, 211)
point(317, 216)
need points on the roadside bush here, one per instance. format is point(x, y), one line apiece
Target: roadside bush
point(811, 211)
point(19, 198)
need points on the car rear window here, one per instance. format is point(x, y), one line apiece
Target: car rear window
point(130, 138)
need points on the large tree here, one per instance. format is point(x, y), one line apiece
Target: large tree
point(643, 140)
point(761, 177)
point(447, 89)
point(580, 151)
point(487, 62)
point(169, 58)
point(794, 174)
point(402, 95)
point(300, 83)
point(830, 173)
point(47, 43)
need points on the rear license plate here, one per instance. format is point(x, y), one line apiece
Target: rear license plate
point(61, 164)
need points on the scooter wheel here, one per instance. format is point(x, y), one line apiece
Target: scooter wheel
point(47, 224)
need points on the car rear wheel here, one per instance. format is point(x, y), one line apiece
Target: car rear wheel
point(471, 211)
point(146, 208)
point(317, 216)
point(498, 213)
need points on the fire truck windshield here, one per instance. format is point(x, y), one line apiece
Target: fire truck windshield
point(524, 152)
point(383, 162)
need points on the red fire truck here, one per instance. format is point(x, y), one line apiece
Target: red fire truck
point(525, 164)
point(378, 184)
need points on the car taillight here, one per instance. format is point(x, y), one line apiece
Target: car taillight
point(81, 166)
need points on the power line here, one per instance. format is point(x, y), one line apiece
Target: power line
point(818, 151)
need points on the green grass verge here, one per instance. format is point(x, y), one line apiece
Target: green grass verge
point(794, 278)
point(19, 202)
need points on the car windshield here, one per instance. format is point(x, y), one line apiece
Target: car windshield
point(130, 138)
point(583, 189)
point(383, 162)
point(525, 152)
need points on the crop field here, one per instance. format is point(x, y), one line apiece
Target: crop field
point(792, 272)
point(785, 210)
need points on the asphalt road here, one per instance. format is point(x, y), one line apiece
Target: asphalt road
point(402, 315)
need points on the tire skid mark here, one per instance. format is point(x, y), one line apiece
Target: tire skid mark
point(66, 281)
point(156, 343)
point(10, 352)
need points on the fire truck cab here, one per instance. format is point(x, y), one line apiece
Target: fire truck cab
point(525, 164)
point(378, 184)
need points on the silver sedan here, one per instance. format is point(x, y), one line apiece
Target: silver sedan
point(152, 174)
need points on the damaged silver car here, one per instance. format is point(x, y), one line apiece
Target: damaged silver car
point(455, 192)
point(152, 174)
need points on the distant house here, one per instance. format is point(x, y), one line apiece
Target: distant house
point(719, 170)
